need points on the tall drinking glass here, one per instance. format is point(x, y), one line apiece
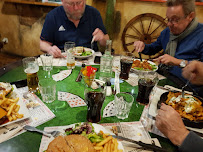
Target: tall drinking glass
point(31, 68)
point(147, 81)
point(47, 62)
point(69, 48)
point(126, 64)
point(94, 99)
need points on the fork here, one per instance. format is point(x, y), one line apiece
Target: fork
point(48, 134)
point(183, 88)
point(92, 43)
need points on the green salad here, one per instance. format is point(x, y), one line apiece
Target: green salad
point(86, 53)
point(154, 67)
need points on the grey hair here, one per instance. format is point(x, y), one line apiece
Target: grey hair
point(188, 5)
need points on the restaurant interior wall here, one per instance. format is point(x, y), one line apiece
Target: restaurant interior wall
point(22, 23)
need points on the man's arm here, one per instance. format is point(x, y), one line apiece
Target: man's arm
point(47, 47)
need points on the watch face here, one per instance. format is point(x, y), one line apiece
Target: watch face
point(182, 64)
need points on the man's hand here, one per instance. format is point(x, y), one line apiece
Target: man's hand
point(168, 60)
point(169, 122)
point(195, 70)
point(47, 47)
point(55, 51)
point(99, 36)
point(139, 46)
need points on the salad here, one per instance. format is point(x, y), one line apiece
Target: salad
point(85, 129)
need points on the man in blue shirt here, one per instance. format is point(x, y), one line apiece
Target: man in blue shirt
point(182, 40)
point(73, 21)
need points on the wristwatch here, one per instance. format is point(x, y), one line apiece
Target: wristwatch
point(183, 64)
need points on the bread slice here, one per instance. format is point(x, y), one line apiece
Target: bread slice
point(5, 88)
point(79, 143)
point(59, 145)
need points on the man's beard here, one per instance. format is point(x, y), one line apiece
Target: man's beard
point(72, 16)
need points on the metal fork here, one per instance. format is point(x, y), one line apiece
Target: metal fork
point(183, 88)
point(92, 43)
point(48, 134)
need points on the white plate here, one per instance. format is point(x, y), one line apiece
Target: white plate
point(150, 62)
point(23, 109)
point(84, 57)
point(46, 140)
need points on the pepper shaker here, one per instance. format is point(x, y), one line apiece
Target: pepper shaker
point(79, 77)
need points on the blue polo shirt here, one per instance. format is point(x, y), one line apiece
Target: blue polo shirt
point(58, 29)
point(190, 48)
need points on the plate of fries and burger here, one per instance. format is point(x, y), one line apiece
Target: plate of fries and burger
point(85, 137)
point(12, 108)
point(190, 107)
point(144, 65)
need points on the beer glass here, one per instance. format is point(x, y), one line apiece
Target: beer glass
point(69, 48)
point(31, 68)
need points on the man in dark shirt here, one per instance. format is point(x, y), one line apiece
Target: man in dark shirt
point(73, 21)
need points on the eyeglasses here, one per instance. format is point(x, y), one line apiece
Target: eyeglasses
point(174, 20)
point(75, 3)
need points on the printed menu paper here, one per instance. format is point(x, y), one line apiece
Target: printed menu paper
point(39, 113)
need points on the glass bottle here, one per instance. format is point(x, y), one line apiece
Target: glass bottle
point(106, 63)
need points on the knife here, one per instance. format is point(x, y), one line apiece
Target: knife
point(144, 145)
point(140, 56)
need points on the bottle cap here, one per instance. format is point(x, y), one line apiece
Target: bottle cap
point(83, 65)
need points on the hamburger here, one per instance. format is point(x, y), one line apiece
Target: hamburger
point(5, 89)
point(71, 143)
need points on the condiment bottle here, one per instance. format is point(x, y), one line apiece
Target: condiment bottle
point(79, 77)
point(108, 89)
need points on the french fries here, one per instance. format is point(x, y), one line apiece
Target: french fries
point(11, 107)
point(109, 144)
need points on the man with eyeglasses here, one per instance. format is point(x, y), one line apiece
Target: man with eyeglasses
point(182, 40)
point(73, 21)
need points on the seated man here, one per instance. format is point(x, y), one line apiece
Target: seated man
point(169, 122)
point(181, 40)
point(73, 21)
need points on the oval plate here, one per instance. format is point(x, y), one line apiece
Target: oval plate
point(187, 122)
point(150, 62)
point(84, 57)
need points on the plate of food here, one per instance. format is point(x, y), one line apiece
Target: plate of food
point(145, 65)
point(190, 107)
point(82, 52)
point(12, 108)
point(86, 137)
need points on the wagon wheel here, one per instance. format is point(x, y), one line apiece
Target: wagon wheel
point(144, 27)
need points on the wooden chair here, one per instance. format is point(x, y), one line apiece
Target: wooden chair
point(144, 27)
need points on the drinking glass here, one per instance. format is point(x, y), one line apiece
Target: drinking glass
point(94, 98)
point(126, 64)
point(69, 48)
point(47, 62)
point(146, 82)
point(47, 89)
point(123, 104)
point(31, 68)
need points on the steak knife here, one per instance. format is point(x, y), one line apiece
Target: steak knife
point(144, 145)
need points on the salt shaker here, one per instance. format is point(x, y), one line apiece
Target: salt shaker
point(108, 89)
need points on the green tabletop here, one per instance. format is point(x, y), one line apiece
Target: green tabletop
point(30, 142)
